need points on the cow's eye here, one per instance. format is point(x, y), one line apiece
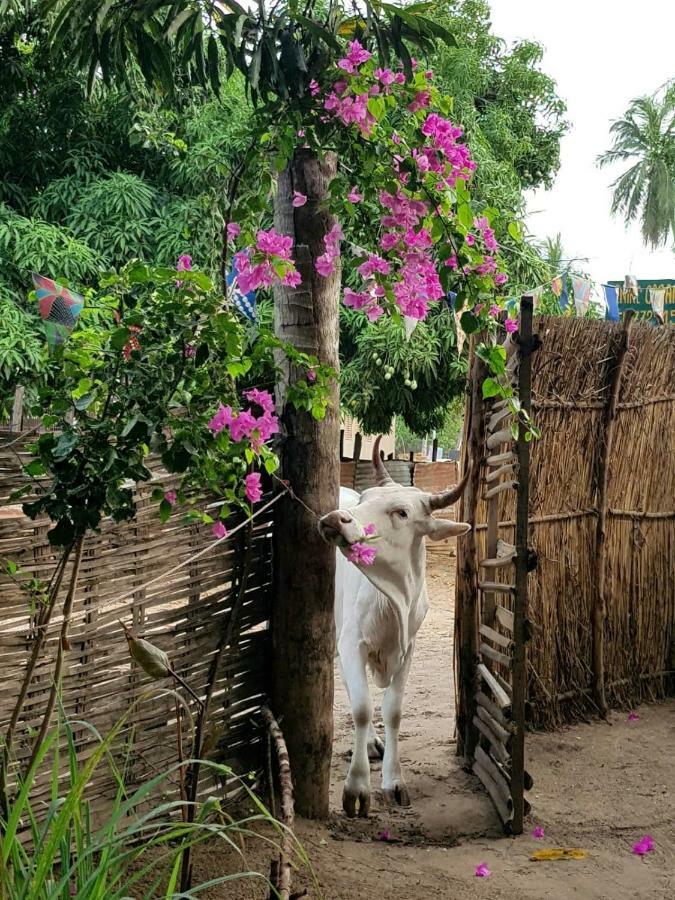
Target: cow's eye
point(402, 513)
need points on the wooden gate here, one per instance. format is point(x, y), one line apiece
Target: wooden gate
point(492, 627)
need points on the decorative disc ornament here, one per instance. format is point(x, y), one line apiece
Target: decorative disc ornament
point(58, 307)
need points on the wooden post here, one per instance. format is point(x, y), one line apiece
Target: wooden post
point(466, 607)
point(604, 455)
point(519, 665)
point(16, 421)
point(357, 446)
point(434, 450)
point(342, 444)
point(303, 632)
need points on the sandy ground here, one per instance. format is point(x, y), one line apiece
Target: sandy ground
point(600, 787)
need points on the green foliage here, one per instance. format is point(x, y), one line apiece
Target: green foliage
point(644, 139)
point(384, 375)
point(22, 349)
point(139, 845)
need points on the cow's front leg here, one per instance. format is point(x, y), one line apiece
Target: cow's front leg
point(356, 792)
point(393, 785)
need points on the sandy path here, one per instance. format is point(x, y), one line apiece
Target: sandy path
point(600, 787)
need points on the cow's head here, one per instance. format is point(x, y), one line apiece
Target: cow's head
point(402, 517)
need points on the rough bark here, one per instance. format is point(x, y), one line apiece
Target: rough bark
point(303, 633)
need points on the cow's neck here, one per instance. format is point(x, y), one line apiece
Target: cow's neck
point(402, 587)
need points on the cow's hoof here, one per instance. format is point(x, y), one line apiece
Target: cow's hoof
point(397, 795)
point(356, 802)
point(376, 748)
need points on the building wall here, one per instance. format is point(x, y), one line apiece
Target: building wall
point(351, 427)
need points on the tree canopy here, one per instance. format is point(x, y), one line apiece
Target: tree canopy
point(644, 139)
point(98, 174)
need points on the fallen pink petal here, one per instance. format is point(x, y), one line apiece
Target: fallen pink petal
point(482, 871)
point(538, 832)
point(644, 845)
point(633, 716)
point(384, 836)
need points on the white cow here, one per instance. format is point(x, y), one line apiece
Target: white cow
point(378, 611)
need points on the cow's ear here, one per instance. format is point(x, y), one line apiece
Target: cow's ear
point(444, 528)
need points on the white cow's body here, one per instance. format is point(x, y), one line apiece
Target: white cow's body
point(378, 612)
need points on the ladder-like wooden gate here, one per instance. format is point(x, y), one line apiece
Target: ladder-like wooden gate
point(492, 627)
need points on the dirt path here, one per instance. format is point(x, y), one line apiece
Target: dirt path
point(600, 787)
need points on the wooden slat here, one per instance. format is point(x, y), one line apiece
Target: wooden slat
point(501, 639)
point(496, 586)
point(499, 715)
point(498, 749)
point(495, 655)
point(498, 438)
point(504, 617)
point(500, 488)
point(501, 696)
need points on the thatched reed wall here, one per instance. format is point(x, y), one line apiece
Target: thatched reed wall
point(570, 394)
point(185, 614)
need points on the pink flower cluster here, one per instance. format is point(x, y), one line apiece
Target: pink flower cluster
point(244, 424)
point(365, 300)
point(253, 487)
point(325, 264)
point(356, 57)
point(259, 269)
point(361, 554)
point(644, 846)
point(446, 157)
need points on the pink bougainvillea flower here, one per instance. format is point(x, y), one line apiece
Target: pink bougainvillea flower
point(325, 264)
point(219, 530)
point(495, 310)
point(633, 716)
point(538, 832)
point(361, 554)
point(253, 487)
point(501, 278)
point(311, 375)
point(184, 263)
point(314, 88)
point(299, 199)
point(482, 871)
point(189, 351)
point(369, 529)
point(511, 325)
point(233, 230)
point(171, 497)
point(470, 239)
point(644, 845)
point(354, 196)
point(273, 243)
point(384, 835)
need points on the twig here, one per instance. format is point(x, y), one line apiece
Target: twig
point(283, 885)
point(179, 750)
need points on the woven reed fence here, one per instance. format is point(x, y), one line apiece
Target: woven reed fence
point(185, 614)
point(570, 394)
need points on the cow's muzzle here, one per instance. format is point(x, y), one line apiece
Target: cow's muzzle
point(340, 528)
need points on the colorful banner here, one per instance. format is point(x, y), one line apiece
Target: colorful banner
point(557, 286)
point(59, 308)
point(612, 300)
point(657, 302)
point(245, 303)
point(582, 294)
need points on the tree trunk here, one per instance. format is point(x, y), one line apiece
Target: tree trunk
point(303, 632)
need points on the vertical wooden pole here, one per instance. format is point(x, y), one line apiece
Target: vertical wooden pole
point(342, 444)
point(605, 451)
point(357, 446)
point(519, 670)
point(303, 631)
point(466, 606)
point(16, 421)
point(434, 450)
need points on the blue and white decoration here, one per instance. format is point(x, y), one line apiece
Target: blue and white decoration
point(245, 303)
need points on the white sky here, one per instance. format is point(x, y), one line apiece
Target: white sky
point(602, 54)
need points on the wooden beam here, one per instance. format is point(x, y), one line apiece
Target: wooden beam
point(501, 639)
point(496, 713)
point(497, 417)
point(496, 586)
point(504, 617)
point(503, 734)
point(502, 470)
point(498, 749)
point(500, 488)
point(500, 458)
point(501, 696)
point(498, 438)
point(519, 665)
point(495, 655)
point(502, 809)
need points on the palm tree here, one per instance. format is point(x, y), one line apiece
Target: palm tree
point(645, 137)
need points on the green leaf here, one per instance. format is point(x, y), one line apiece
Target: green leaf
point(271, 464)
point(35, 468)
point(515, 232)
point(469, 323)
point(493, 357)
point(164, 511)
point(465, 215)
point(376, 107)
point(491, 388)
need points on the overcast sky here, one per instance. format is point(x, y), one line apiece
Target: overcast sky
point(602, 54)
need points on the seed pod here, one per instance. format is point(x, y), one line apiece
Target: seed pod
point(151, 659)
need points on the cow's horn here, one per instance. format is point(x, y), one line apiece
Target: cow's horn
point(447, 498)
point(382, 477)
